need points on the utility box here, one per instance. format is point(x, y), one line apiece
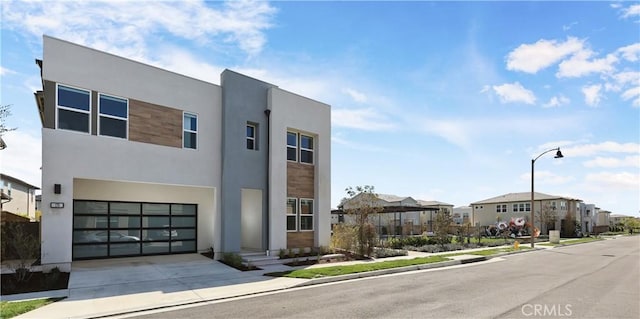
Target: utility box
point(554, 236)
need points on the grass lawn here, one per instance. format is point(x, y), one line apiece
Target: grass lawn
point(352, 269)
point(12, 309)
point(572, 241)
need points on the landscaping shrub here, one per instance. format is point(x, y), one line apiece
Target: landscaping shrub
point(388, 252)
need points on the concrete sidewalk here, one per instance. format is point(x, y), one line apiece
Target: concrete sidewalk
point(102, 288)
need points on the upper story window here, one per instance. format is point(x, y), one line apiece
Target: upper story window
point(527, 207)
point(515, 207)
point(73, 107)
point(251, 137)
point(306, 149)
point(299, 147)
point(292, 146)
point(114, 112)
point(563, 205)
point(190, 131)
point(501, 208)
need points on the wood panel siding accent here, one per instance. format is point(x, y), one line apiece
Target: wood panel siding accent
point(300, 180)
point(155, 124)
point(300, 239)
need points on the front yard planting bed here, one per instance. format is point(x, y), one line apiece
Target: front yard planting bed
point(358, 268)
point(37, 281)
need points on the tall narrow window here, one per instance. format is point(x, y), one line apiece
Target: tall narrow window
point(306, 149)
point(114, 112)
point(73, 109)
point(306, 214)
point(190, 134)
point(292, 214)
point(251, 137)
point(292, 146)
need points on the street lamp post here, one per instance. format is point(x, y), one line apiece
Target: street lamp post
point(558, 155)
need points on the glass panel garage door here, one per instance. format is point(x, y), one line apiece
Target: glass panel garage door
point(104, 229)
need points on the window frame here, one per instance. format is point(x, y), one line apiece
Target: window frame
point(294, 214)
point(306, 215)
point(72, 109)
point(294, 147)
point(185, 130)
point(254, 138)
point(301, 149)
point(125, 119)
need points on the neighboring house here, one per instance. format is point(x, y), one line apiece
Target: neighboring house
point(171, 164)
point(400, 215)
point(18, 196)
point(603, 218)
point(587, 216)
point(513, 205)
point(618, 219)
point(462, 215)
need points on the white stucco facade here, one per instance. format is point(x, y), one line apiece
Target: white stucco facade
point(293, 112)
point(92, 167)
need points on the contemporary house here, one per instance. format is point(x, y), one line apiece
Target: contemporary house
point(137, 160)
point(462, 215)
point(18, 196)
point(514, 205)
point(399, 215)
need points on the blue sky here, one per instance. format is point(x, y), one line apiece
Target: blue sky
point(444, 101)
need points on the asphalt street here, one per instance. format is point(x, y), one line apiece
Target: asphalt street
point(592, 280)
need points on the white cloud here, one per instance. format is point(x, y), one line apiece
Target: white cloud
point(4, 71)
point(183, 62)
point(531, 58)
point(632, 94)
point(592, 94)
point(569, 26)
point(355, 95)
point(362, 119)
point(22, 158)
point(455, 132)
point(580, 65)
point(128, 28)
point(513, 93)
point(623, 180)
point(557, 101)
point(631, 52)
point(613, 162)
point(631, 11)
point(337, 139)
point(599, 148)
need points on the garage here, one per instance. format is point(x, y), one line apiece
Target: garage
point(106, 229)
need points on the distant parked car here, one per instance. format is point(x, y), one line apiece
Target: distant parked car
point(103, 236)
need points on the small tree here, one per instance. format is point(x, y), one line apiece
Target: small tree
point(569, 225)
point(362, 203)
point(18, 242)
point(5, 111)
point(547, 218)
point(442, 223)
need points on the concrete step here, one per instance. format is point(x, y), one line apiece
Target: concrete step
point(261, 260)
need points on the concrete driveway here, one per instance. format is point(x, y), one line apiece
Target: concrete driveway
point(112, 286)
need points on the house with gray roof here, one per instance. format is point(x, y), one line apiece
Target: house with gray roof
point(515, 205)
